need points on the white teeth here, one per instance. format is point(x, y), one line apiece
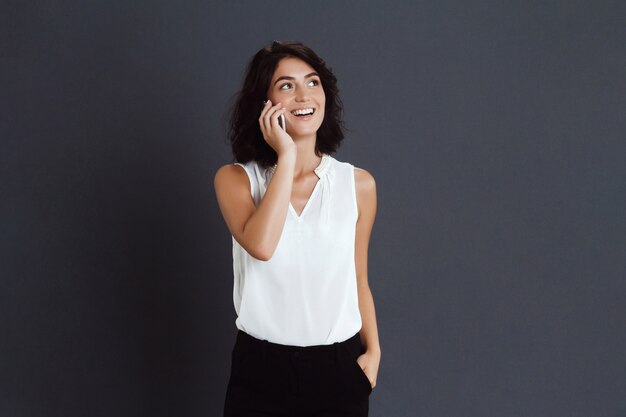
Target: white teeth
point(302, 112)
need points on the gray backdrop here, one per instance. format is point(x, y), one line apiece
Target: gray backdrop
point(496, 134)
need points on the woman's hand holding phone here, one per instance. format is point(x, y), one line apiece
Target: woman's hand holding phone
point(275, 135)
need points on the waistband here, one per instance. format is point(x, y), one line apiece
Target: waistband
point(247, 342)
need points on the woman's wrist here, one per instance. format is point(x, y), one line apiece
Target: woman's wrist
point(288, 152)
point(374, 351)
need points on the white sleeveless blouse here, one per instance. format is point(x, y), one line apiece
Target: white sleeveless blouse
point(306, 294)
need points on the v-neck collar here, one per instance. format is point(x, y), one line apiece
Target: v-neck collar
point(320, 170)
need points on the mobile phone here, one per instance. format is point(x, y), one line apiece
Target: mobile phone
point(281, 118)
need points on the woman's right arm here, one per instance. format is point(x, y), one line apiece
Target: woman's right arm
point(258, 229)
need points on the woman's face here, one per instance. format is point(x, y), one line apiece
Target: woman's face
point(297, 86)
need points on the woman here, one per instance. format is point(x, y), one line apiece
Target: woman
point(307, 340)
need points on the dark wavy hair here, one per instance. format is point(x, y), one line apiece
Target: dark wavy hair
point(244, 132)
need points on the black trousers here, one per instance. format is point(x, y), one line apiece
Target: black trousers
point(269, 379)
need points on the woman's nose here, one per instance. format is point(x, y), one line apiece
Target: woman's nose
point(301, 95)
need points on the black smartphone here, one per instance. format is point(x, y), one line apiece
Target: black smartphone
point(281, 118)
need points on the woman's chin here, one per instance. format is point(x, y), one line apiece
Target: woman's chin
point(297, 133)
point(300, 134)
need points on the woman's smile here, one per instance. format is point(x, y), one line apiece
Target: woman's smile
point(303, 113)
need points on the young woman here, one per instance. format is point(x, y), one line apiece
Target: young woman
point(307, 340)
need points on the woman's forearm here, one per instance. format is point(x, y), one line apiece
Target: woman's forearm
point(369, 329)
point(265, 226)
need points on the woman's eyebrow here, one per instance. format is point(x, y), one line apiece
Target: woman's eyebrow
point(285, 77)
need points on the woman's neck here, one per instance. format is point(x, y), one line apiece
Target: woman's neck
point(306, 160)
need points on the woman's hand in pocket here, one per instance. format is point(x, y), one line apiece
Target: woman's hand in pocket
point(369, 362)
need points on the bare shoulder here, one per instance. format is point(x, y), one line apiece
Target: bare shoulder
point(229, 170)
point(232, 189)
point(364, 179)
point(230, 174)
point(365, 185)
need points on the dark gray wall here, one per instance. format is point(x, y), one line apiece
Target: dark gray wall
point(496, 134)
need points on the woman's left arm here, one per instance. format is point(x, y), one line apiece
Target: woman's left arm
point(366, 201)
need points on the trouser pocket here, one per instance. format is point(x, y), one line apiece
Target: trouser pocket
point(362, 378)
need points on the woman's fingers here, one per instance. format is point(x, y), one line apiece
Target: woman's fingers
point(273, 134)
point(269, 117)
point(275, 116)
point(266, 107)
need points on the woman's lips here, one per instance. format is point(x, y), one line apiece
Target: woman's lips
point(304, 118)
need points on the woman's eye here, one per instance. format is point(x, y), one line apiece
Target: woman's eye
point(285, 86)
